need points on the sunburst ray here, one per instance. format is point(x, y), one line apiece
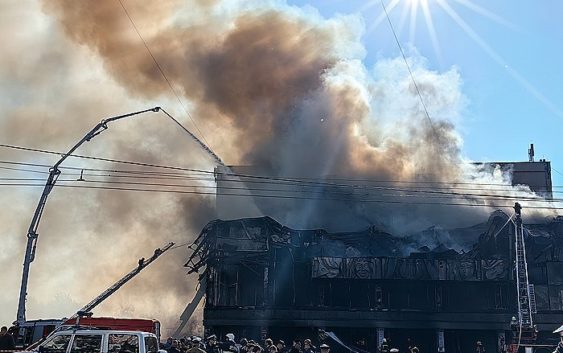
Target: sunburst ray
point(431, 30)
point(499, 59)
point(390, 6)
point(486, 13)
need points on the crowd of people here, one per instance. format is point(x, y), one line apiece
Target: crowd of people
point(386, 347)
point(212, 344)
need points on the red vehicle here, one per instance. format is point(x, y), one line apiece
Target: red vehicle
point(111, 323)
point(35, 331)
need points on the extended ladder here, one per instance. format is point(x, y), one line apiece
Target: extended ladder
point(525, 332)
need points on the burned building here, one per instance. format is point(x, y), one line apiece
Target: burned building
point(265, 279)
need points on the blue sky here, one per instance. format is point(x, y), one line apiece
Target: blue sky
point(509, 57)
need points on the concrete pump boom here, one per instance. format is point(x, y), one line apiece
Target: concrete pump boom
point(54, 173)
point(105, 294)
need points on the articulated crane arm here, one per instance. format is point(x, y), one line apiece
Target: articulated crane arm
point(142, 264)
point(54, 173)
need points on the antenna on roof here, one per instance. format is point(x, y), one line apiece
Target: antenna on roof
point(531, 152)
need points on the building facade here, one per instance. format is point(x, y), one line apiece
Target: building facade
point(264, 279)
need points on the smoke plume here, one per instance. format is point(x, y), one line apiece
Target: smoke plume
point(274, 87)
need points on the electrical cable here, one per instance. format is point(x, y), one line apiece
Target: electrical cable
point(284, 179)
point(24, 170)
point(162, 72)
point(410, 71)
point(202, 145)
point(555, 170)
point(361, 188)
point(355, 187)
point(405, 192)
point(170, 176)
point(291, 197)
point(106, 159)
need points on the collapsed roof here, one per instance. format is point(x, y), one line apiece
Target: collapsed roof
point(482, 251)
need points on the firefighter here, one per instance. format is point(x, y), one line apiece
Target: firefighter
point(296, 348)
point(197, 346)
point(411, 347)
point(480, 348)
point(384, 346)
point(281, 346)
point(174, 349)
point(212, 346)
point(308, 346)
point(230, 345)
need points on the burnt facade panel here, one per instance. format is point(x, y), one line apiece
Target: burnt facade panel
point(264, 277)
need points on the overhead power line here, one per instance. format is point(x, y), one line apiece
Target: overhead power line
point(105, 159)
point(200, 176)
point(24, 170)
point(162, 73)
point(314, 181)
point(285, 181)
point(409, 69)
point(293, 187)
point(397, 193)
point(194, 192)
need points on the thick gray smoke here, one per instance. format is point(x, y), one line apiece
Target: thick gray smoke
point(292, 90)
point(274, 87)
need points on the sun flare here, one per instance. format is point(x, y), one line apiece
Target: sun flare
point(412, 10)
point(416, 3)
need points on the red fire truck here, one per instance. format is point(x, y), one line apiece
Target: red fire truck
point(35, 331)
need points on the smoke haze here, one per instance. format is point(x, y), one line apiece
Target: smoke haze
point(271, 86)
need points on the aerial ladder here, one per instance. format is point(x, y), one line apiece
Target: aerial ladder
point(35, 331)
point(38, 330)
point(105, 294)
point(524, 330)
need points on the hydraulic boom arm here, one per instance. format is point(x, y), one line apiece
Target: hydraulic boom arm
point(54, 173)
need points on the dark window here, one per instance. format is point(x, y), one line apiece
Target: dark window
point(151, 345)
point(57, 344)
point(86, 344)
point(360, 294)
point(123, 344)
